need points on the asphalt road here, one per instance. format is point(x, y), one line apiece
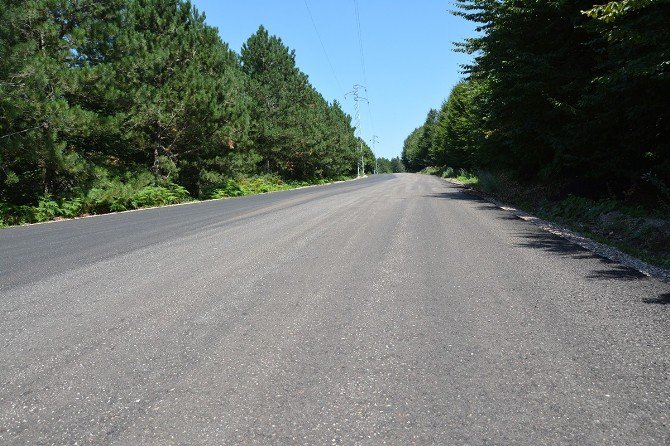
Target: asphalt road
point(395, 309)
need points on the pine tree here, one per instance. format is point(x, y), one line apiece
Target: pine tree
point(458, 132)
point(410, 151)
point(180, 91)
point(43, 126)
point(281, 98)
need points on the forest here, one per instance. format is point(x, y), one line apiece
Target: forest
point(119, 104)
point(565, 107)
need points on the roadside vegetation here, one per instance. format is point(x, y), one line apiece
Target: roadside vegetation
point(393, 165)
point(123, 197)
point(564, 112)
point(123, 104)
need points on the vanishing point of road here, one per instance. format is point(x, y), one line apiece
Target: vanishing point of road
point(396, 309)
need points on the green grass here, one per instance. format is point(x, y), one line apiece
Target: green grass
point(462, 175)
point(116, 196)
point(259, 185)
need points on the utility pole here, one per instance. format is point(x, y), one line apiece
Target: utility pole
point(357, 122)
point(375, 140)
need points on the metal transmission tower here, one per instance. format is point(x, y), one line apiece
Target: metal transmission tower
point(375, 140)
point(356, 93)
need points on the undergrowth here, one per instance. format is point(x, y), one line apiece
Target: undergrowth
point(136, 193)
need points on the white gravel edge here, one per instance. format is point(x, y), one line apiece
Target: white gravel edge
point(609, 252)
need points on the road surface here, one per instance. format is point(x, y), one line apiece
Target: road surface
point(390, 310)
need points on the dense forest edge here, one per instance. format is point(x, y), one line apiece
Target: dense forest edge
point(565, 112)
point(122, 104)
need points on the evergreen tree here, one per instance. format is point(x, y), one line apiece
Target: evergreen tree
point(104, 100)
point(627, 121)
point(458, 131)
point(427, 140)
point(393, 165)
point(281, 98)
point(343, 145)
point(536, 61)
point(179, 91)
point(411, 158)
point(43, 125)
point(397, 165)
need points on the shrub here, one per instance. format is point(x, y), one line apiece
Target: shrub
point(117, 196)
point(489, 182)
point(448, 172)
point(229, 188)
point(584, 209)
point(467, 177)
point(71, 208)
point(150, 196)
point(430, 170)
point(47, 209)
point(16, 215)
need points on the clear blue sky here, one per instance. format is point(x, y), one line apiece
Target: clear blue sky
point(410, 65)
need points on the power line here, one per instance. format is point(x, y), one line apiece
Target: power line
point(375, 140)
point(360, 46)
point(357, 122)
point(372, 121)
point(360, 41)
point(323, 47)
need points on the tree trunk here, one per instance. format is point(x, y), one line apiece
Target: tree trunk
point(157, 165)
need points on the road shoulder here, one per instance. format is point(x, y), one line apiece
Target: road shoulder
point(601, 249)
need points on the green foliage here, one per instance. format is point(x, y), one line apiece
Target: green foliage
point(259, 185)
point(459, 133)
point(296, 132)
point(47, 209)
point(150, 196)
point(448, 172)
point(72, 208)
point(410, 158)
point(11, 215)
point(417, 152)
point(467, 177)
point(115, 105)
point(393, 165)
point(579, 208)
point(628, 120)
point(228, 188)
point(462, 175)
point(615, 10)
point(562, 94)
point(489, 182)
point(248, 186)
point(397, 165)
point(117, 196)
point(431, 170)
point(574, 93)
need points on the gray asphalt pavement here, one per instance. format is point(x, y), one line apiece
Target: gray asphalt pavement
point(390, 310)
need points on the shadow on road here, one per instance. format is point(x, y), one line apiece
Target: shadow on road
point(459, 195)
point(663, 299)
point(610, 271)
point(538, 239)
point(617, 272)
point(535, 238)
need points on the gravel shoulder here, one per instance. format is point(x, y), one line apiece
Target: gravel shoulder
point(606, 251)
